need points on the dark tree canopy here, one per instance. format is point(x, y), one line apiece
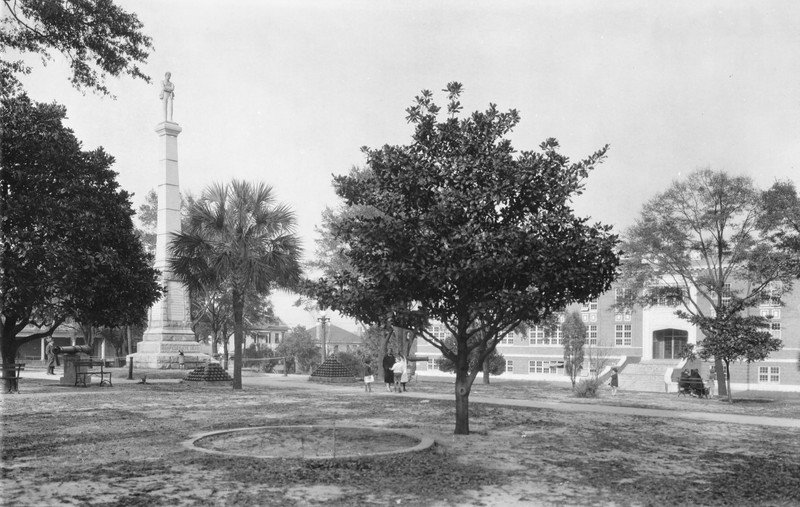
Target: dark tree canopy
point(465, 231)
point(781, 218)
point(69, 247)
point(97, 37)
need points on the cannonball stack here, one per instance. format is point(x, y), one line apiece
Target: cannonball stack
point(333, 371)
point(210, 372)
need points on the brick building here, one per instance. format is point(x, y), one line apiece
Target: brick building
point(645, 344)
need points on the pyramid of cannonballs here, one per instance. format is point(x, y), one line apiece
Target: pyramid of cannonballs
point(209, 372)
point(332, 371)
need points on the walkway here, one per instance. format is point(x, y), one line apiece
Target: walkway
point(783, 422)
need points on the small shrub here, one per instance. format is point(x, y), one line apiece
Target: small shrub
point(587, 388)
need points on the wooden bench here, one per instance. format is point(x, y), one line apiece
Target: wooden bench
point(12, 373)
point(85, 369)
point(692, 387)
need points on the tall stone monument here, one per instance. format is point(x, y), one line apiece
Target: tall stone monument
point(169, 320)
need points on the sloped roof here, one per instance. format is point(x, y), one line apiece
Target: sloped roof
point(336, 335)
point(262, 326)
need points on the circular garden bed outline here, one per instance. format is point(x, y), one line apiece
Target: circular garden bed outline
point(346, 433)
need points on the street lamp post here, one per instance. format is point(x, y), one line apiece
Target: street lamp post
point(324, 319)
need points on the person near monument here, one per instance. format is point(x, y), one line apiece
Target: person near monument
point(399, 369)
point(181, 360)
point(167, 95)
point(388, 374)
point(50, 356)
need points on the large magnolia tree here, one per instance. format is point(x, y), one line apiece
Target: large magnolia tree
point(69, 247)
point(703, 245)
point(465, 231)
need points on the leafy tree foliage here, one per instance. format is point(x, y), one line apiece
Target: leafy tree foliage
point(98, 38)
point(302, 347)
point(238, 240)
point(69, 248)
point(781, 218)
point(464, 231)
point(703, 245)
point(573, 332)
point(493, 364)
point(330, 259)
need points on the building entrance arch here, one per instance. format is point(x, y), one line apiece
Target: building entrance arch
point(668, 343)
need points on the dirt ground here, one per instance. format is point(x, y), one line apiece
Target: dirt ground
point(122, 446)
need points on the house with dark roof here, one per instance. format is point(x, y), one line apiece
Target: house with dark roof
point(337, 339)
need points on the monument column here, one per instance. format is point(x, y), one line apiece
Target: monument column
point(169, 319)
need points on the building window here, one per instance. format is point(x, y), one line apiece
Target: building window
point(508, 339)
point(556, 336)
point(538, 336)
point(726, 294)
point(769, 374)
point(668, 296)
point(547, 367)
point(439, 332)
point(622, 335)
point(590, 306)
point(771, 294)
point(509, 366)
point(434, 363)
point(775, 329)
point(591, 334)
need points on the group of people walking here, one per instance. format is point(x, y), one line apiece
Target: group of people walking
point(395, 373)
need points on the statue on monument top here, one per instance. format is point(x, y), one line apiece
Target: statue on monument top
point(166, 95)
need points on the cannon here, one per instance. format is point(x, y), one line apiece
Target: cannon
point(73, 356)
point(73, 349)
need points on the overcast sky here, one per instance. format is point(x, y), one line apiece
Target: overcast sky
point(287, 92)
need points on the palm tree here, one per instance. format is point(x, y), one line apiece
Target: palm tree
point(237, 239)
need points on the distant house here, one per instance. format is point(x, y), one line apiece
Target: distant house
point(265, 335)
point(337, 339)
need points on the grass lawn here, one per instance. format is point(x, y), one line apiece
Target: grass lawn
point(122, 446)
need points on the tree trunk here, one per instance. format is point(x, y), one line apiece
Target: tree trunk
point(728, 381)
point(238, 334)
point(8, 350)
point(462, 402)
point(723, 388)
point(486, 371)
point(462, 391)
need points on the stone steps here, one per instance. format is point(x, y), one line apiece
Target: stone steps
point(646, 376)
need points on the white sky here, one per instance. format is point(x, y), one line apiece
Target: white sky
point(287, 92)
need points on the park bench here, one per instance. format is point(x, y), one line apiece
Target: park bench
point(12, 373)
point(84, 369)
point(693, 386)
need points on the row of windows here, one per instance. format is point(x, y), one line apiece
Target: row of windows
point(546, 367)
point(766, 374)
point(770, 296)
point(623, 336)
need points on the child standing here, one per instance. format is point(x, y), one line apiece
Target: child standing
point(368, 377)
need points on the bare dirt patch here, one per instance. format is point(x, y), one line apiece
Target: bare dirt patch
point(121, 446)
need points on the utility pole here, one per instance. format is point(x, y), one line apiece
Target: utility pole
point(323, 320)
